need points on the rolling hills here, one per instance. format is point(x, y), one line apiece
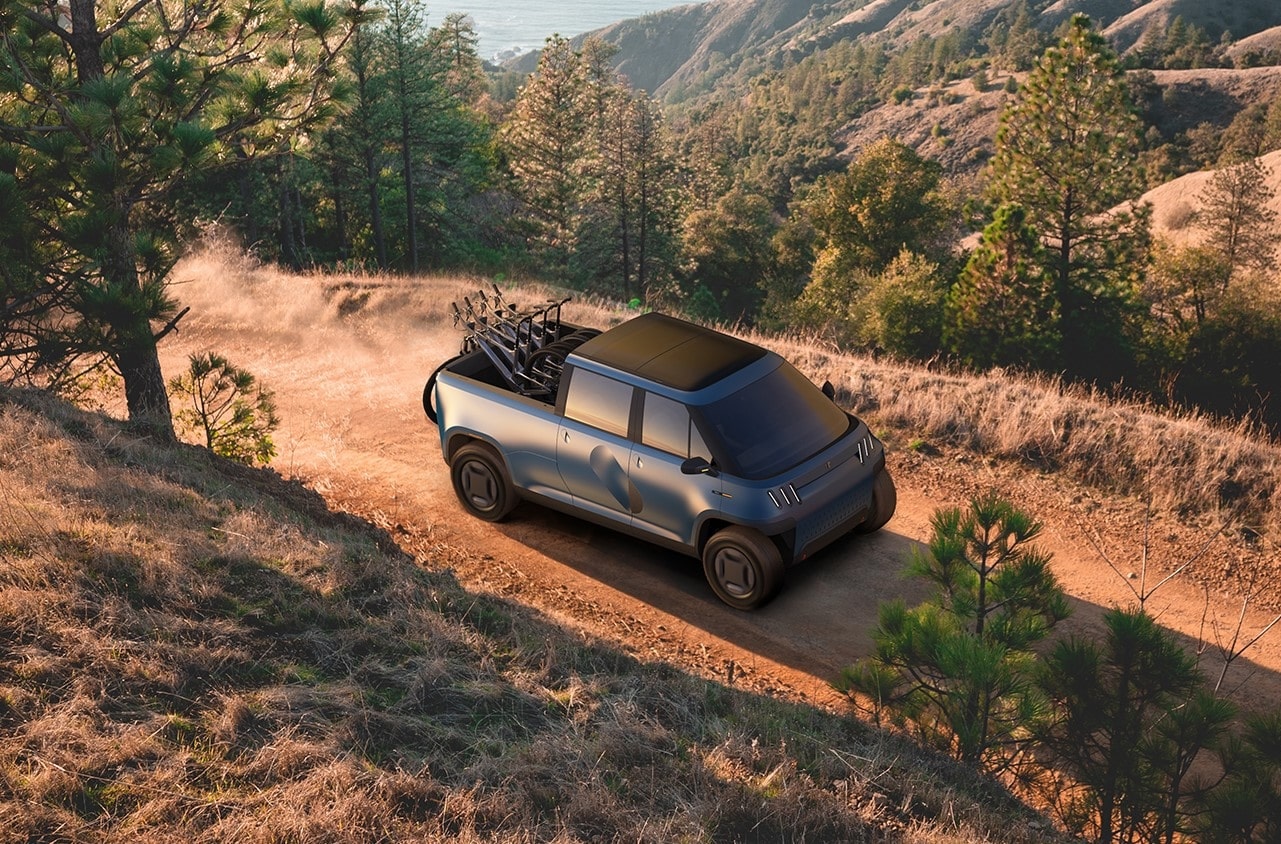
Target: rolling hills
point(689, 47)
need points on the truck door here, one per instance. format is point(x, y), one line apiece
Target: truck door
point(592, 448)
point(670, 502)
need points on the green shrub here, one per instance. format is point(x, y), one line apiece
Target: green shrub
point(960, 666)
point(228, 408)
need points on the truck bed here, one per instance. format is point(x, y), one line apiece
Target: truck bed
point(478, 367)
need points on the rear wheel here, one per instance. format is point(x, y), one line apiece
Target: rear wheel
point(481, 483)
point(884, 503)
point(743, 567)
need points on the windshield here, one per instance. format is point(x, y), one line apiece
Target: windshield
point(772, 424)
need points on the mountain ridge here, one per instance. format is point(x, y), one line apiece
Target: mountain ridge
point(668, 53)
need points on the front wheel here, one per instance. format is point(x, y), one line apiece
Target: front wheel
point(481, 483)
point(743, 567)
point(884, 503)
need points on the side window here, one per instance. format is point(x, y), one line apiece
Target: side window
point(599, 401)
point(667, 426)
point(698, 448)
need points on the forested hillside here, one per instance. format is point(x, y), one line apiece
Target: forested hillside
point(694, 48)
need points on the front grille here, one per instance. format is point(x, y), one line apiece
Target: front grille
point(839, 516)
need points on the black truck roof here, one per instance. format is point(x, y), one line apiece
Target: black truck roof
point(670, 351)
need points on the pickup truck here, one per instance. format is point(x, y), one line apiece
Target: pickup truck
point(663, 429)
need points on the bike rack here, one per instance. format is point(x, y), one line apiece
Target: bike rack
point(513, 339)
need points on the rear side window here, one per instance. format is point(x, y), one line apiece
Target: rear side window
point(666, 426)
point(598, 401)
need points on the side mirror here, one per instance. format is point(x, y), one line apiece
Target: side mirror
point(829, 390)
point(698, 466)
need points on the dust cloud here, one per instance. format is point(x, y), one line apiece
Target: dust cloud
point(347, 355)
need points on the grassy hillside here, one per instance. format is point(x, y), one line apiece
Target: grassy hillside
point(1176, 202)
point(956, 123)
point(193, 650)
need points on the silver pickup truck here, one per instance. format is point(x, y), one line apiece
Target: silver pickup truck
point(662, 429)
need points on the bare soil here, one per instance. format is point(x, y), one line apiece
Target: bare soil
point(348, 380)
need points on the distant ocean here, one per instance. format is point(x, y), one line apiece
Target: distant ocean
point(509, 27)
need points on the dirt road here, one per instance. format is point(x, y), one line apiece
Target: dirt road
point(347, 364)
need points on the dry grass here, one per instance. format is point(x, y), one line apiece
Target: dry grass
point(195, 651)
point(1188, 464)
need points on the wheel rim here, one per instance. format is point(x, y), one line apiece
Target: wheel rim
point(478, 484)
point(734, 572)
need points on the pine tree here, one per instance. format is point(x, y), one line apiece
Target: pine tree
point(657, 237)
point(1113, 738)
point(1013, 39)
point(411, 83)
point(1237, 217)
point(1271, 128)
point(634, 195)
point(548, 142)
point(457, 43)
point(457, 144)
point(365, 128)
point(1246, 806)
point(1002, 311)
point(410, 144)
point(960, 665)
point(1067, 151)
point(104, 109)
point(708, 152)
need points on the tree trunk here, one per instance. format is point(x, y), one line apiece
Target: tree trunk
point(145, 391)
point(340, 222)
point(375, 210)
point(133, 343)
point(249, 220)
point(290, 253)
point(134, 348)
point(411, 212)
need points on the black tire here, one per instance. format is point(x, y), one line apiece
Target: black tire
point(554, 353)
point(743, 567)
point(544, 367)
point(884, 503)
point(480, 482)
point(582, 335)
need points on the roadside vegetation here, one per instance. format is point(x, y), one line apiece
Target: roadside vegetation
point(1123, 737)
